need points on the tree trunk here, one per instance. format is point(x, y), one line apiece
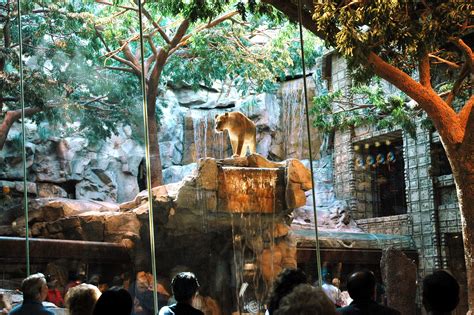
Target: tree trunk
point(461, 158)
point(154, 146)
point(10, 117)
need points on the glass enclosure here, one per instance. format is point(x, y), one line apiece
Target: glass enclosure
point(127, 155)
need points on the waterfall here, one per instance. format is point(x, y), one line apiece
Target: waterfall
point(207, 142)
point(293, 118)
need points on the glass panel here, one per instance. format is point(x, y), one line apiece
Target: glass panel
point(84, 148)
point(217, 89)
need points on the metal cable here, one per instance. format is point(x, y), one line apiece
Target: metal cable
point(303, 65)
point(147, 161)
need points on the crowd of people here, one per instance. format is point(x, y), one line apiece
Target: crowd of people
point(291, 294)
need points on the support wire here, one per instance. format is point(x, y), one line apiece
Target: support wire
point(23, 138)
point(303, 65)
point(147, 161)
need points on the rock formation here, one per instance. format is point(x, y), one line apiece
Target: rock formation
point(230, 215)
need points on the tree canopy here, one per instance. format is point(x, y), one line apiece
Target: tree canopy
point(74, 56)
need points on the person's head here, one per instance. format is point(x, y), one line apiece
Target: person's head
point(306, 299)
point(117, 281)
point(286, 281)
point(115, 301)
point(95, 280)
point(440, 292)
point(51, 281)
point(336, 282)
point(34, 288)
point(361, 285)
point(327, 278)
point(80, 300)
point(185, 286)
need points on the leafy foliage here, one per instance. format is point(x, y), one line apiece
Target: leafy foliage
point(72, 78)
point(398, 31)
point(370, 105)
point(230, 54)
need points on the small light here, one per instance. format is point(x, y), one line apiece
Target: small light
point(356, 147)
point(366, 145)
point(388, 142)
point(377, 144)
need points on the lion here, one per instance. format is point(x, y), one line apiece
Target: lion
point(242, 132)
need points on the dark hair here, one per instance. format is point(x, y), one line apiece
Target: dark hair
point(327, 277)
point(95, 280)
point(115, 301)
point(285, 282)
point(184, 286)
point(440, 292)
point(361, 285)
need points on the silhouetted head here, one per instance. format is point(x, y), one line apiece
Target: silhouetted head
point(185, 286)
point(285, 282)
point(80, 300)
point(440, 292)
point(361, 285)
point(327, 278)
point(305, 299)
point(115, 301)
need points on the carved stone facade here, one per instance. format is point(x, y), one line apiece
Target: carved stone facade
point(431, 217)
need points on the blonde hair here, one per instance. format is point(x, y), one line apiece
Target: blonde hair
point(306, 300)
point(81, 299)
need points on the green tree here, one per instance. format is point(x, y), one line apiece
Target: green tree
point(84, 60)
point(195, 42)
point(395, 39)
point(61, 84)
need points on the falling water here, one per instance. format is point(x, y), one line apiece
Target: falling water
point(207, 142)
point(252, 228)
point(293, 112)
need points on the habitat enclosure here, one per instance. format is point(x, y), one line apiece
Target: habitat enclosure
point(111, 167)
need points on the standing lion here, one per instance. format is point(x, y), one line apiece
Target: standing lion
point(242, 132)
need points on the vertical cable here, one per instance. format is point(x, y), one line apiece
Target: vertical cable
point(147, 161)
point(22, 103)
point(318, 255)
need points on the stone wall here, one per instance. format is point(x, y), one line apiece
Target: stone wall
point(420, 200)
point(396, 224)
point(432, 217)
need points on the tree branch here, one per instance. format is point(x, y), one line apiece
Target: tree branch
point(178, 36)
point(101, 38)
point(467, 51)
point(120, 69)
point(129, 55)
point(156, 26)
point(445, 61)
point(424, 68)
point(443, 116)
point(466, 111)
point(136, 70)
point(458, 84)
point(118, 6)
point(12, 116)
point(200, 28)
point(465, 71)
